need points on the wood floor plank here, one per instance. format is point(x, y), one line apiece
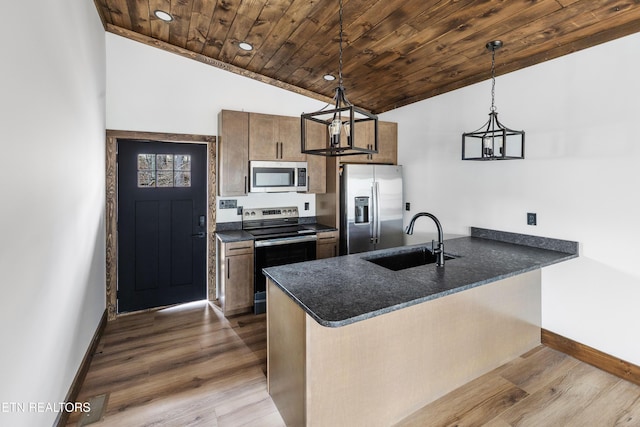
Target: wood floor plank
point(620, 408)
point(533, 371)
point(238, 366)
point(497, 422)
point(472, 405)
point(562, 399)
point(252, 409)
point(176, 411)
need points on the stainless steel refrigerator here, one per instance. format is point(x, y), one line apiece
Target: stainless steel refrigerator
point(370, 208)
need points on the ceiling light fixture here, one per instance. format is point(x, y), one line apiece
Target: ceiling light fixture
point(329, 77)
point(493, 141)
point(245, 46)
point(341, 119)
point(162, 15)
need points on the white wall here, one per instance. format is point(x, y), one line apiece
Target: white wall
point(580, 175)
point(52, 267)
point(156, 91)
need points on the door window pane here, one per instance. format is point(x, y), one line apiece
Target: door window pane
point(146, 162)
point(164, 162)
point(182, 162)
point(165, 178)
point(182, 179)
point(146, 179)
point(164, 170)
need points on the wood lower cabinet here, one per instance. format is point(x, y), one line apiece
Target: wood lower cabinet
point(274, 137)
point(233, 153)
point(235, 276)
point(327, 244)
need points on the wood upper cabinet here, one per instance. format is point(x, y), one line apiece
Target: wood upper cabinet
point(327, 244)
point(233, 153)
point(387, 143)
point(317, 135)
point(235, 276)
point(274, 137)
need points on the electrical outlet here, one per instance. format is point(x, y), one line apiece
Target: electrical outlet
point(532, 218)
point(407, 206)
point(306, 206)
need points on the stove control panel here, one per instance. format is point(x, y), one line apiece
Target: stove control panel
point(270, 213)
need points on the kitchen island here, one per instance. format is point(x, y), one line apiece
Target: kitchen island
point(354, 343)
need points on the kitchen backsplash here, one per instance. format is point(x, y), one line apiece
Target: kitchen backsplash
point(267, 200)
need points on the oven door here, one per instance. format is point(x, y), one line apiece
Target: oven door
point(273, 252)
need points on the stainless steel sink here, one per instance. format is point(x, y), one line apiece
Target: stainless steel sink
point(407, 259)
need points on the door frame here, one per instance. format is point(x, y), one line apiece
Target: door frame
point(111, 206)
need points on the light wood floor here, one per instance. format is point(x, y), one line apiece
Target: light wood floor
point(182, 366)
point(189, 366)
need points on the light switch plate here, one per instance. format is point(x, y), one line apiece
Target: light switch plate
point(228, 204)
point(532, 218)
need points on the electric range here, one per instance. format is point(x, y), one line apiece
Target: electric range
point(279, 239)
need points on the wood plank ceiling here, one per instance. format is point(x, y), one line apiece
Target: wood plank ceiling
point(396, 52)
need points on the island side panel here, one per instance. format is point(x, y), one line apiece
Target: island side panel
point(378, 371)
point(286, 355)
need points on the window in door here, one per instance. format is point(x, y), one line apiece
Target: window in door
point(164, 170)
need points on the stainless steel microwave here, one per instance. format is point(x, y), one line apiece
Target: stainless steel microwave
point(273, 177)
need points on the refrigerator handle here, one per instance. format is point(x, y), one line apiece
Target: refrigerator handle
point(376, 213)
point(374, 232)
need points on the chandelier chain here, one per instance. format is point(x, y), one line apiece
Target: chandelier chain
point(340, 63)
point(493, 81)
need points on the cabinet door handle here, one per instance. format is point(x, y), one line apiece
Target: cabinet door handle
point(281, 150)
point(335, 250)
point(277, 148)
point(228, 268)
point(246, 189)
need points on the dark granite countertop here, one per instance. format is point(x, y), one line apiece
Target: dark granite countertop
point(319, 227)
point(227, 236)
point(347, 289)
point(233, 236)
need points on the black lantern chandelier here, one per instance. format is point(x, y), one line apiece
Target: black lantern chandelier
point(341, 119)
point(493, 141)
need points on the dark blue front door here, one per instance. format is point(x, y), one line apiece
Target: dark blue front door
point(162, 209)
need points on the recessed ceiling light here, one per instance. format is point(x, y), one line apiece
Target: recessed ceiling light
point(161, 14)
point(329, 77)
point(245, 46)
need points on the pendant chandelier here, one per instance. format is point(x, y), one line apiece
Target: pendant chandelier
point(493, 141)
point(341, 119)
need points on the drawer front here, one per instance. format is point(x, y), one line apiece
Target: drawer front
point(238, 248)
point(327, 237)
